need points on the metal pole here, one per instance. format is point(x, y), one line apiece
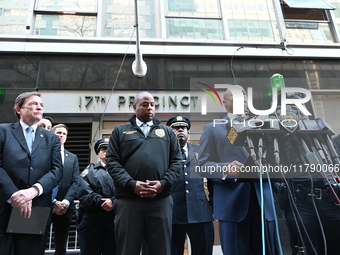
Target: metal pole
point(139, 67)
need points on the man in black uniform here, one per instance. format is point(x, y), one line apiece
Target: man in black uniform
point(191, 213)
point(144, 159)
point(311, 209)
point(96, 194)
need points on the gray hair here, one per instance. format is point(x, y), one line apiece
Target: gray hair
point(59, 126)
point(19, 101)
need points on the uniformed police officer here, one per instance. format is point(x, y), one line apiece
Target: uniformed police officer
point(192, 214)
point(96, 194)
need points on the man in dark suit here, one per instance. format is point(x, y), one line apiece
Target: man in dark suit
point(191, 213)
point(29, 170)
point(63, 202)
point(236, 203)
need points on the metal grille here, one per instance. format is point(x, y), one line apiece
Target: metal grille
point(78, 142)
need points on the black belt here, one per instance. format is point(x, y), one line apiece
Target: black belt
point(319, 193)
point(303, 192)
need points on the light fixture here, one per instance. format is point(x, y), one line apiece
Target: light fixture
point(139, 67)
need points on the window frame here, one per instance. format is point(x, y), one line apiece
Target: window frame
point(307, 6)
point(219, 17)
point(58, 12)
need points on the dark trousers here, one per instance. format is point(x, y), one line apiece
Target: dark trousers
point(19, 244)
point(245, 237)
point(330, 221)
point(201, 237)
point(61, 226)
point(143, 218)
point(96, 235)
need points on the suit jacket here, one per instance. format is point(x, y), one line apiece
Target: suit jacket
point(20, 169)
point(231, 199)
point(69, 183)
point(190, 201)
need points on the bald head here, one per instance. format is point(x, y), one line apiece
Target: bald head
point(140, 95)
point(228, 99)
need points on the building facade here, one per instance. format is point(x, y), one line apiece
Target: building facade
point(78, 54)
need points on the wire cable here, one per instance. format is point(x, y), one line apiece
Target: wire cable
point(274, 210)
point(231, 64)
point(318, 215)
point(262, 209)
point(295, 211)
point(259, 164)
point(113, 87)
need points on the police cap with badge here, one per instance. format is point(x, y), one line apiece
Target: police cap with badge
point(101, 143)
point(179, 121)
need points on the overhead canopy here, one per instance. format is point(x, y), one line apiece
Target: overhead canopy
point(309, 4)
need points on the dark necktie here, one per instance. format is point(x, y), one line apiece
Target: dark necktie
point(29, 138)
point(184, 157)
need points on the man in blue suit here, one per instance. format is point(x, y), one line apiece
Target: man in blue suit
point(66, 191)
point(29, 170)
point(191, 214)
point(236, 203)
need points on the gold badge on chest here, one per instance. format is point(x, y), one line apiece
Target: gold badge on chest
point(160, 132)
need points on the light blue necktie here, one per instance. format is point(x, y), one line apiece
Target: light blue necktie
point(145, 129)
point(29, 138)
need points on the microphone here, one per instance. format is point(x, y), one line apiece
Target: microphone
point(251, 148)
point(260, 150)
point(311, 157)
point(276, 151)
point(321, 152)
point(242, 126)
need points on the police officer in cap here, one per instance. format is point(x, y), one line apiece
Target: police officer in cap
point(191, 214)
point(96, 194)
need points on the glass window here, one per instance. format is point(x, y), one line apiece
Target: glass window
point(250, 29)
point(251, 20)
point(119, 18)
point(312, 4)
point(307, 24)
point(336, 13)
point(67, 5)
point(324, 106)
point(200, 8)
point(65, 18)
point(13, 17)
point(65, 25)
point(194, 28)
point(309, 33)
point(193, 19)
